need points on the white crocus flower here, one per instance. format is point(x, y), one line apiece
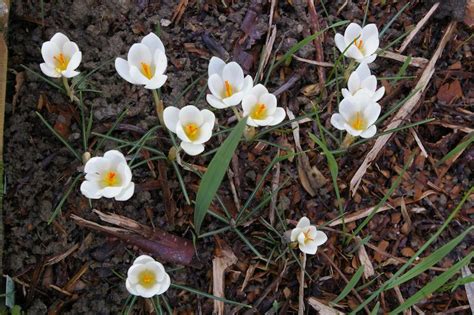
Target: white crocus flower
point(357, 115)
point(146, 63)
point(362, 42)
point(147, 277)
point(307, 236)
point(226, 83)
point(362, 79)
point(261, 107)
point(61, 57)
point(191, 125)
point(108, 176)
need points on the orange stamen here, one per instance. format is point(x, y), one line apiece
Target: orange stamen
point(192, 131)
point(358, 43)
point(259, 112)
point(228, 89)
point(146, 70)
point(61, 62)
point(358, 122)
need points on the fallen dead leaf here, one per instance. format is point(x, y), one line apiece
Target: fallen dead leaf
point(381, 246)
point(408, 252)
point(224, 258)
point(322, 308)
point(449, 92)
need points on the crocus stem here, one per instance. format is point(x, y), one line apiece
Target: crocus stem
point(68, 88)
point(349, 69)
point(348, 140)
point(236, 112)
point(159, 106)
point(301, 291)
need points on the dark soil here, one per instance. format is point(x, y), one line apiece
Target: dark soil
point(39, 168)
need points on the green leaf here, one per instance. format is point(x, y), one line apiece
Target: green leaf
point(462, 146)
point(350, 285)
point(433, 285)
point(431, 260)
point(215, 173)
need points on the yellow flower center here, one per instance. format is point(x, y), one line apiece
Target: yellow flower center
point(146, 70)
point(61, 62)
point(192, 131)
point(259, 112)
point(147, 278)
point(359, 43)
point(358, 122)
point(228, 89)
point(307, 237)
point(111, 179)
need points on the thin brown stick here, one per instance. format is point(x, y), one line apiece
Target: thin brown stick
point(301, 289)
point(318, 41)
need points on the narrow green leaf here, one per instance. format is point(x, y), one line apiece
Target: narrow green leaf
point(462, 146)
point(215, 173)
point(207, 295)
point(350, 285)
point(375, 311)
point(394, 18)
point(433, 285)
point(430, 261)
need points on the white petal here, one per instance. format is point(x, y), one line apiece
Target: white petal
point(160, 61)
point(171, 118)
point(294, 234)
point(156, 82)
point(134, 271)
point(69, 49)
point(91, 189)
point(353, 52)
point(369, 31)
point(340, 42)
point(354, 82)
point(303, 222)
point(352, 32)
point(139, 53)
point(126, 192)
point(233, 73)
point(270, 102)
point(153, 42)
point(371, 45)
point(346, 93)
point(164, 284)
point(96, 165)
point(143, 259)
point(205, 133)
point(251, 122)
point(130, 288)
point(338, 121)
point(264, 122)
point(145, 292)
point(278, 116)
point(235, 99)
point(59, 39)
point(50, 71)
point(215, 102)
point(216, 65)
point(248, 103)
point(69, 73)
point(181, 134)
point(190, 114)
point(208, 117)
point(259, 90)
point(137, 76)
point(115, 158)
point(320, 238)
point(347, 108)
point(123, 69)
point(352, 131)
point(216, 85)
point(378, 94)
point(125, 173)
point(75, 61)
point(369, 132)
point(363, 71)
point(110, 192)
point(371, 113)
point(192, 149)
point(48, 51)
point(370, 83)
point(370, 59)
point(310, 248)
point(248, 84)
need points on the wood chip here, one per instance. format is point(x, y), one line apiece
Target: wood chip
point(466, 272)
point(322, 308)
point(365, 260)
point(404, 111)
point(414, 62)
point(223, 259)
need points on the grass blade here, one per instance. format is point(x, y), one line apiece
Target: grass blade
point(350, 285)
point(433, 285)
point(207, 295)
point(215, 173)
point(462, 146)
